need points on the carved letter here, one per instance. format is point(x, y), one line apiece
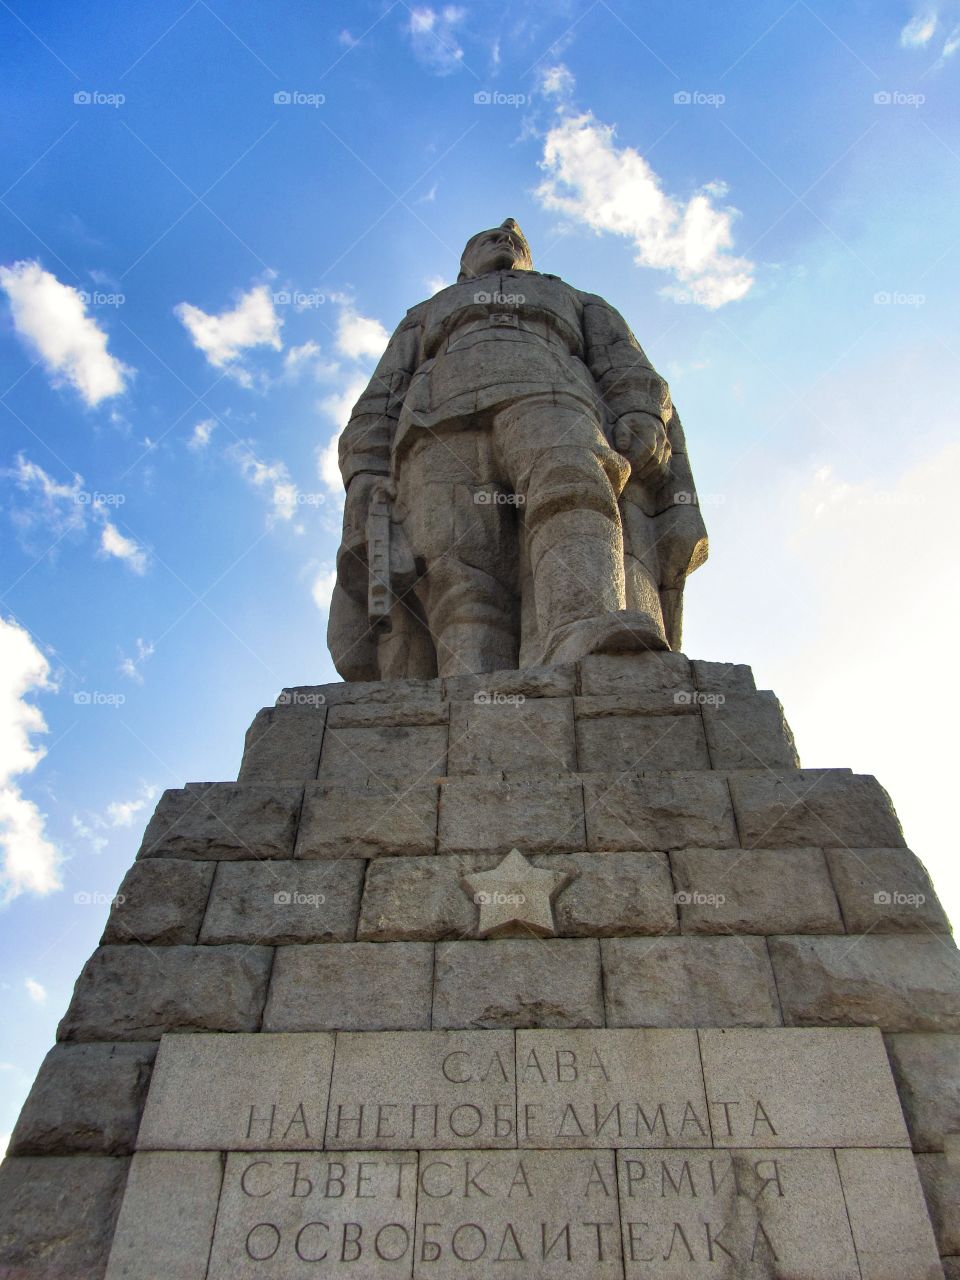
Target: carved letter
point(314, 1257)
point(455, 1243)
point(462, 1070)
point(381, 1249)
point(352, 1231)
point(564, 1232)
point(257, 1195)
point(262, 1256)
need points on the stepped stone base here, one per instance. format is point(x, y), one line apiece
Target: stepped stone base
point(736, 1054)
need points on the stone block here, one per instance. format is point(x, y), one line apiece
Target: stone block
point(888, 1217)
point(895, 983)
point(927, 1071)
point(529, 682)
point(366, 822)
point(613, 895)
point(280, 902)
point(518, 983)
point(361, 691)
point(488, 816)
point(825, 807)
point(239, 1093)
point(801, 1087)
point(940, 1178)
point(57, 1215)
point(885, 891)
point(424, 1089)
point(419, 899)
point(610, 1089)
point(602, 706)
point(384, 755)
point(659, 811)
point(224, 820)
point(727, 678)
point(951, 1268)
point(351, 986)
point(409, 712)
point(656, 677)
point(749, 731)
point(775, 1213)
point(541, 1214)
point(162, 901)
point(137, 993)
point(86, 1097)
point(524, 736)
point(328, 1214)
point(166, 1221)
point(283, 745)
point(630, 744)
point(689, 982)
point(757, 891)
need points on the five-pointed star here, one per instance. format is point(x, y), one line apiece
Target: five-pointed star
point(516, 897)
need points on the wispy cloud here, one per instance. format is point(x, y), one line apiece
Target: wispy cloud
point(130, 664)
point(225, 337)
point(271, 479)
point(36, 991)
point(919, 30)
point(200, 436)
point(433, 36)
point(360, 337)
point(120, 547)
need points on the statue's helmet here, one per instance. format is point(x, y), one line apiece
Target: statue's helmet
point(504, 248)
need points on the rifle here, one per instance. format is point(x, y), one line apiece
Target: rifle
point(389, 558)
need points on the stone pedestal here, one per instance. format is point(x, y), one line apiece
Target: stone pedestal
point(704, 1023)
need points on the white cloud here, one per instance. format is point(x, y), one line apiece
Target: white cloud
point(271, 478)
point(30, 861)
point(557, 82)
point(114, 543)
point(309, 357)
point(224, 338)
point(121, 813)
point(200, 436)
point(130, 666)
point(52, 318)
point(86, 832)
point(919, 30)
point(360, 336)
point(436, 283)
point(322, 588)
point(613, 189)
point(36, 991)
point(951, 44)
point(337, 406)
point(347, 40)
point(434, 39)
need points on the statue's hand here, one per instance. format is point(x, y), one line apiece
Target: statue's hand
point(642, 439)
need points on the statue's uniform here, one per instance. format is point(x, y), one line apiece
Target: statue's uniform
point(491, 411)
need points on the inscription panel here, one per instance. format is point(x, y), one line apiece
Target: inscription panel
point(423, 1089)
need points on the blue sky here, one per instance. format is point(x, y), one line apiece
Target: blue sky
point(215, 215)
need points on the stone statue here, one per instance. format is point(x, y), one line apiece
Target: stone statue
point(518, 490)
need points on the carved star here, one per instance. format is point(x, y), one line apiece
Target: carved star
point(516, 897)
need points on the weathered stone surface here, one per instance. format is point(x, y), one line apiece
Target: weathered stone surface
point(885, 891)
point(279, 902)
point(794, 1087)
point(423, 1089)
point(360, 691)
point(775, 1212)
point(692, 982)
point(137, 993)
point(351, 986)
point(384, 754)
point(659, 811)
point(528, 682)
point(86, 1097)
point(951, 1268)
point(897, 984)
point(238, 1093)
point(826, 807)
point(525, 736)
point(419, 899)
point(320, 1215)
point(516, 898)
point(365, 822)
point(529, 1201)
point(224, 820)
point(749, 731)
point(166, 1221)
point(413, 710)
point(727, 678)
point(160, 900)
point(620, 744)
point(283, 744)
point(927, 1071)
point(610, 1089)
point(941, 1188)
point(487, 816)
point(656, 677)
point(518, 983)
point(614, 894)
point(888, 1217)
point(602, 706)
point(57, 1215)
point(754, 891)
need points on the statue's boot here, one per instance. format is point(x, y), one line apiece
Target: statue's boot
point(625, 631)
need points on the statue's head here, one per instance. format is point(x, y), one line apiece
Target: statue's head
point(502, 248)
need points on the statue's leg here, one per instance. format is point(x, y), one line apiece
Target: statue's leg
point(569, 480)
point(465, 552)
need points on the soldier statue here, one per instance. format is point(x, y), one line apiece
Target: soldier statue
point(518, 491)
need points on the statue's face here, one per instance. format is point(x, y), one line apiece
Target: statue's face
point(499, 249)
